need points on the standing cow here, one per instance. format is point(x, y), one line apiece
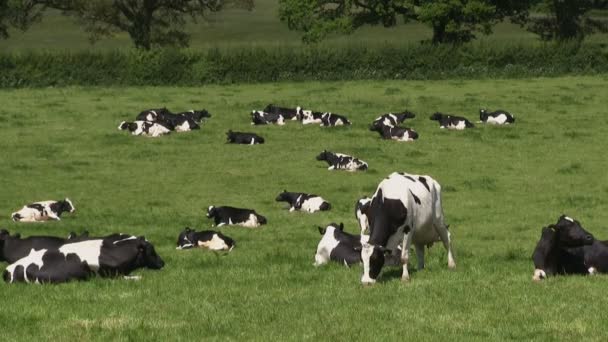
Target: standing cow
point(405, 209)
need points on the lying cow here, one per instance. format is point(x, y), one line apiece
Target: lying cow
point(567, 248)
point(395, 133)
point(209, 239)
point(339, 161)
point(47, 266)
point(43, 211)
point(311, 117)
point(499, 117)
point(195, 115)
point(145, 128)
point(180, 122)
point(261, 118)
point(13, 248)
point(392, 119)
point(152, 115)
point(302, 201)
point(235, 216)
point(330, 119)
point(405, 209)
point(243, 138)
point(451, 121)
point(286, 113)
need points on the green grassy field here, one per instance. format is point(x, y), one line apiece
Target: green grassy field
point(501, 185)
point(241, 28)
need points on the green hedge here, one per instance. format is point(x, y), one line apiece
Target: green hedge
point(188, 68)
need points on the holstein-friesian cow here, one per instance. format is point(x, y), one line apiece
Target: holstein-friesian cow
point(330, 119)
point(499, 117)
point(339, 161)
point(243, 138)
point(195, 115)
point(235, 216)
point(43, 211)
point(311, 117)
point(13, 248)
point(209, 239)
point(287, 113)
point(451, 121)
point(261, 118)
point(145, 128)
point(338, 245)
point(392, 119)
point(47, 266)
point(302, 201)
point(395, 133)
point(567, 248)
point(405, 209)
point(180, 122)
point(152, 115)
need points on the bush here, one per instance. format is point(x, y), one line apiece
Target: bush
point(190, 68)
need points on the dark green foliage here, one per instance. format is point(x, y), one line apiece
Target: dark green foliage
point(185, 67)
point(566, 20)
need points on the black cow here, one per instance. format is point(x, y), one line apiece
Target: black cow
point(262, 118)
point(235, 216)
point(451, 121)
point(395, 133)
point(302, 201)
point(210, 239)
point(392, 119)
point(286, 113)
point(330, 119)
point(499, 117)
point(43, 211)
point(339, 161)
point(244, 138)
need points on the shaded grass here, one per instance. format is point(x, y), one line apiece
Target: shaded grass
point(500, 186)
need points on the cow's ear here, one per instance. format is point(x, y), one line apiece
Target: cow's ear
point(341, 226)
point(321, 230)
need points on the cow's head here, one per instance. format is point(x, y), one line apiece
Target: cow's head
point(186, 239)
point(123, 126)
point(404, 115)
point(377, 126)
point(373, 260)
point(323, 155)
point(331, 228)
point(211, 211)
point(570, 233)
point(412, 134)
point(436, 116)
point(483, 114)
point(283, 197)
point(146, 255)
point(67, 205)
point(230, 135)
point(198, 115)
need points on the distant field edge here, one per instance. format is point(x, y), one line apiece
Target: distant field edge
point(173, 67)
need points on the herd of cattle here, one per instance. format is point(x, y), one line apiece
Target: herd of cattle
point(405, 210)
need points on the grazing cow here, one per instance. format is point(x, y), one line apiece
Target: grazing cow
point(451, 121)
point(287, 113)
point(337, 245)
point(243, 138)
point(392, 119)
point(339, 161)
point(43, 211)
point(261, 118)
point(311, 117)
point(209, 239)
point(47, 266)
point(235, 216)
point(145, 128)
point(305, 202)
point(567, 248)
point(499, 117)
point(329, 119)
point(395, 133)
point(405, 209)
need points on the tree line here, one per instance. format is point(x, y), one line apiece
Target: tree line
point(152, 23)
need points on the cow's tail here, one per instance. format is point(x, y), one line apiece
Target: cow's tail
point(469, 124)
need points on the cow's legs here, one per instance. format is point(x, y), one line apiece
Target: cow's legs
point(444, 234)
point(420, 256)
point(405, 254)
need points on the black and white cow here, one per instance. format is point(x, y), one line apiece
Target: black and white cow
point(261, 118)
point(567, 248)
point(330, 119)
point(286, 113)
point(392, 119)
point(339, 161)
point(243, 138)
point(145, 128)
point(395, 133)
point(302, 201)
point(209, 239)
point(451, 121)
point(152, 115)
point(180, 122)
point(235, 216)
point(338, 245)
point(311, 117)
point(106, 257)
point(47, 266)
point(43, 211)
point(195, 115)
point(405, 209)
point(499, 117)
point(13, 248)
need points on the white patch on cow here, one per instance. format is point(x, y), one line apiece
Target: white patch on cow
point(88, 251)
point(592, 270)
point(361, 217)
point(252, 141)
point(459, 126)
point(215, 244)
point(498, 120)
point(312, 204)
point(366, 253)
point(338, 122)
point(280, 120)
point(326, 245)
point(33, 258)
point(569, 219)
point(252, 222)
point(71, 205)
point(230, 221)
point(539, 275)
point(184, 127)
point(120, 125)
point(125, 239)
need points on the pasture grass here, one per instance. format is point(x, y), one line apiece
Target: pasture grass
point(500, 186)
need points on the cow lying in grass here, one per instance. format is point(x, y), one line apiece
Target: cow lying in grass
point(339, 161)
point(499, 117)
point(451, 121)
point(145, 128)
point(208, 239)
point(243, 138)
point(43, 211)
point(302, 201)
point(235, 216)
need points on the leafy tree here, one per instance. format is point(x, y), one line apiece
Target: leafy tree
point(568, 19)
point(148, 22)
point(17, 14)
